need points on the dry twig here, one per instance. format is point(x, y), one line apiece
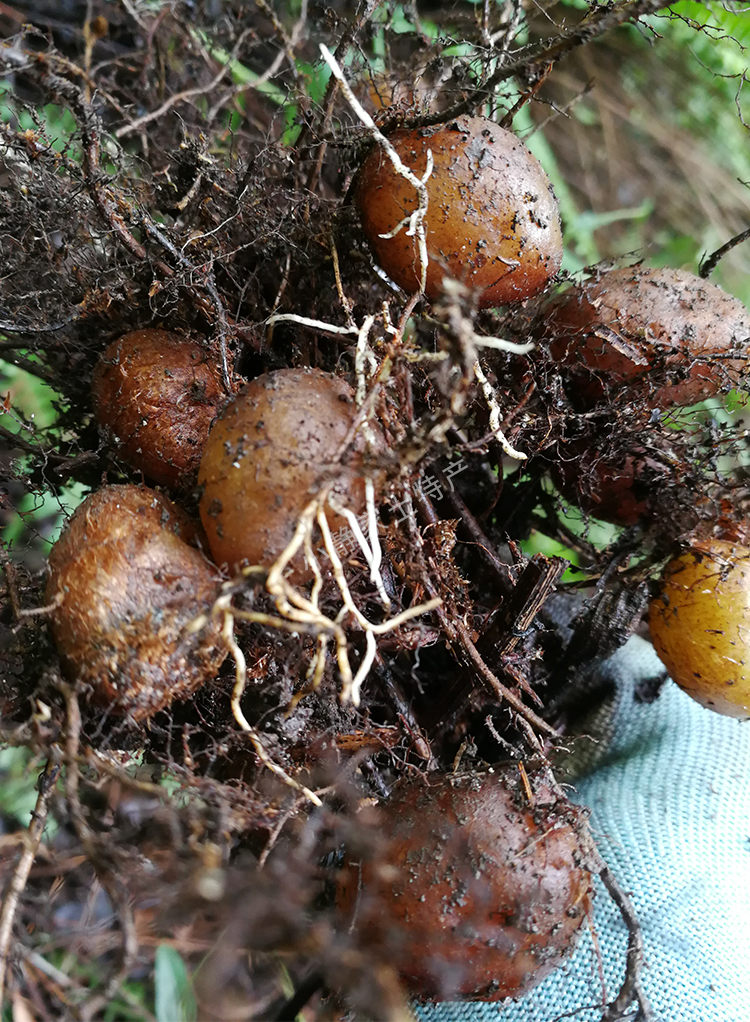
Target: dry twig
point(536, 61)
point(32, 840)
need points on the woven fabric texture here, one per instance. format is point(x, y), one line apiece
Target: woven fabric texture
point(670, 809)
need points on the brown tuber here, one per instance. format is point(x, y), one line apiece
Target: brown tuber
point(125, 586)
point(155, 396)
point(481, 890)
point(664, 334)
point(269, 454)
point(625, 487)
point(492, 220)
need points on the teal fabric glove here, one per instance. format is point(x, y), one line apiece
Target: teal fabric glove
point(670, 810)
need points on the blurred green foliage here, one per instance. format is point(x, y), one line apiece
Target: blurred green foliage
point(32, 407)
point(19, 769)
point(30, 397)
point(685, 70)
point(174, 998)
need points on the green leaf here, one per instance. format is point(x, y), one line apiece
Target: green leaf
point(539, 543)
point(174, 998)
point(18, 776)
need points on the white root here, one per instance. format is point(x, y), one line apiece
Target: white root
point(415, 220)
point(495, 414)
point(371, 550)
point(499, 344)
point(315, 324)
point(296, 612)
point(227, 633)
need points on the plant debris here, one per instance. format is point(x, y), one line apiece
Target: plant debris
point(190, 168)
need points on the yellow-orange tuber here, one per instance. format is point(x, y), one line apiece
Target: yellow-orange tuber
point(700, 624)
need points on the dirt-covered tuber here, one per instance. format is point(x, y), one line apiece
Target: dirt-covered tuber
point(482, 888)
point(269, 454)
point(125, 585)
point(492, 220)
point(623, 487)
point(700, 624)
point(666, 335)
point(155, 396)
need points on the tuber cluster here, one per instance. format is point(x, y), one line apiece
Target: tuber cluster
point(482, 889)
point(482, 881)
point(126, 581)
point(492, 220)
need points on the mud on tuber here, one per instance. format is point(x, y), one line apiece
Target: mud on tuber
point(346, 337)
